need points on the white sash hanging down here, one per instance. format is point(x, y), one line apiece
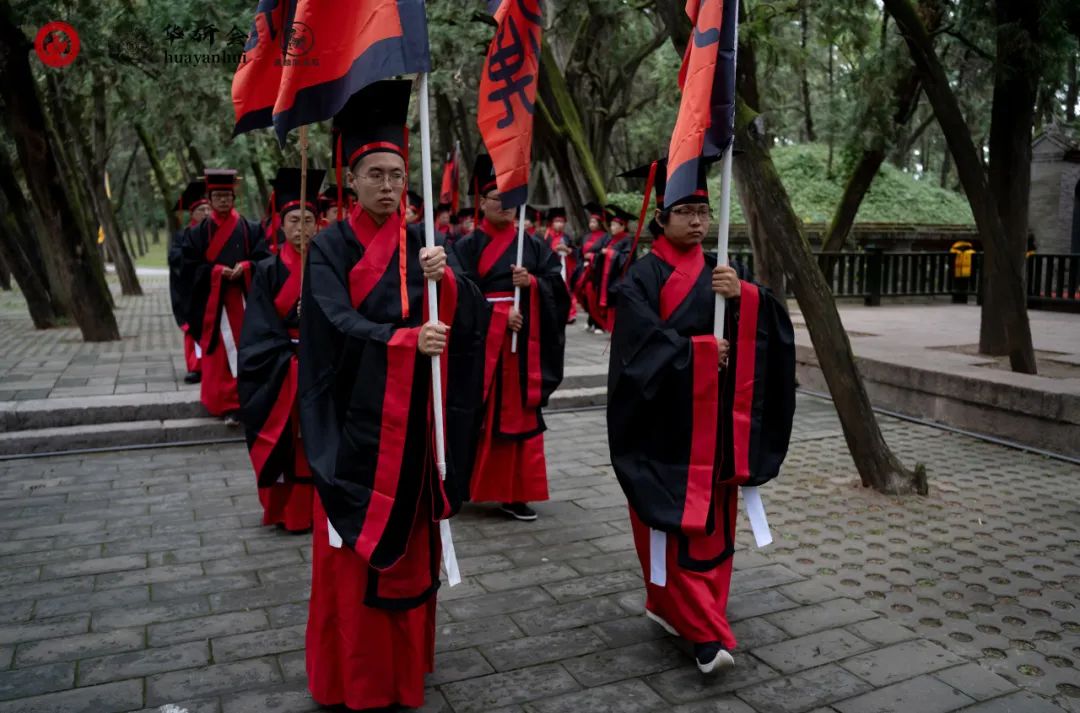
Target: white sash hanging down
point(228, 339)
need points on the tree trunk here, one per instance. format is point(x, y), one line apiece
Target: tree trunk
point(5, 274)
point(34, 290)
point(25, 121)
point(159, 176)
point(858, 184)
point(260, 178)
point(1072, 89)
point(804, 77)
point(1010, 278)
point(1012, 114)
point(877, 465)
point(92, 162)
point(946, 164)
point(193, 151)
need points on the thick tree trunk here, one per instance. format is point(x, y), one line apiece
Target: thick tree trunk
point(5, 274)
point(1012, 307)
point(25, 121)
point(877, 465)
point(1072, 90)
point(34, 290)
point(159, 176)
point(193, 151)
point(1012, 114)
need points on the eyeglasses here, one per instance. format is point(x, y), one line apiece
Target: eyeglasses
point(703, 212)
point(378, 178)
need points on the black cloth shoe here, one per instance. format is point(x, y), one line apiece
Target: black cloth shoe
point(232, 419)
point(711, 657)
point(518, 511)
point(193, 377)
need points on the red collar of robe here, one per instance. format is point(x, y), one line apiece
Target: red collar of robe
point(500, 242)
point(289, 293)
point(688, 262)
point(380, 242)
point(222, 232)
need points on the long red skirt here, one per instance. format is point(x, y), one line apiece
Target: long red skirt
point(219, 394)
point(693, 602)
point(191, 356)
point(288, 502)
point(510, 471)
point(358, 655)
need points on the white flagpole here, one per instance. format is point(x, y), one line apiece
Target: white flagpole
point(755, 509)
point(449, 557)
point(520, 257)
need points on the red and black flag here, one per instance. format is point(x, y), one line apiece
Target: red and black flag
point(507, 94)
point(449, 194)
point(706, 121)
point(305, 58)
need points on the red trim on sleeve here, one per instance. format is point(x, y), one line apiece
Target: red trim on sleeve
point(271, 432)
point(745, 374)
point(705, 407)
point(533, 375)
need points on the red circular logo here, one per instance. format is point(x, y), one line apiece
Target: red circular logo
point(57, 44)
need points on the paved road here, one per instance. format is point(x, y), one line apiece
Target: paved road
point(138, 580)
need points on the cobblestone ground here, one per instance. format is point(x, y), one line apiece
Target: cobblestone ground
point(137, 580)
point(148, 358)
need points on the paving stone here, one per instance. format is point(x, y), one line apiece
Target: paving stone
point(289, 698)
point(216, 625)
point(818, 617)
point(121, 696)
point(457, 666)
point(685, 683)
point(811, 651)
point(486, 693)
point(47, 589)
point(268, 596)
point(78, 646)
point(545, 648)
point(900, 661)
point(881, 631)
point(89, 602)
point(595, 585)
point(164, 591)
point(212, 680)
point(623, 697)
point(44, 629)
point(1019, 702)
point(110, 619)
point(803, 691)
point(144, 663)
point(271, 641)
point(525, 576)
point(748, 580)
point(568, 616)
point(35, 680)
point(499, 603)
point(628, 630)
point(925, 694)
point(756, 632)
point(627, 662)
point(725, 704)
point(293, 665)
point(747, 605)
point(449, 637)
point(195, 553)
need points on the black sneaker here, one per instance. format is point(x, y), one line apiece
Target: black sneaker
point(193, 377)
point(518, 511)
point(711, 657)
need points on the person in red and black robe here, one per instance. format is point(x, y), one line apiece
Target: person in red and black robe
point(414, 210)
point(690, 419)
point(268, 363)
point(583, 280)
point(216, 261)
point(195, 202)
point(562, 244)
point(365, 414)
point(609, 264)
point(466, 223)
point(510, 467)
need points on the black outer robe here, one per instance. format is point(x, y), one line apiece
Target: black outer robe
point(173, 259)
point(348, 386)
point(266, 350)
point(245, 244)
point(650, 408)
point(543, 264)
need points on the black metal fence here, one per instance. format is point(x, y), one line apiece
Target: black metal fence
point(1053, 281)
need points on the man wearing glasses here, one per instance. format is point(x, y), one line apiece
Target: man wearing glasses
point(691, 417)
point(510, 467)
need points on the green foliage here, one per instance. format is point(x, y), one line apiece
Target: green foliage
point(895, 197)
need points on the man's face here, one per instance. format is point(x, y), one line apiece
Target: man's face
point(687, 224)
point(443, 218)
point(222, 201)
point(412, 214)
point(468, 225)
point(494, 212)
point(201, 212)
point(295, 230)
point(558, 224)
point(379, 179)
point(617, 227)
point(594, 224)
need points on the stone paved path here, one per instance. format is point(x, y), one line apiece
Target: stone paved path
point(136, 580)
point(57, 364)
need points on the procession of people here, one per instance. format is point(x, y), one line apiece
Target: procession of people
point(387, 371)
